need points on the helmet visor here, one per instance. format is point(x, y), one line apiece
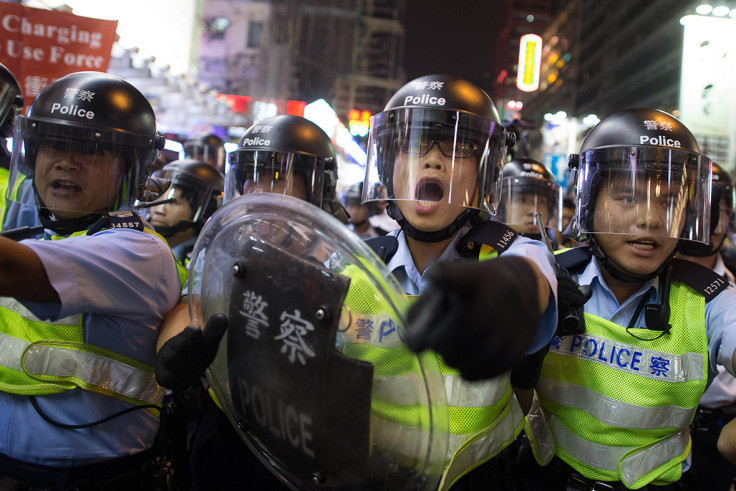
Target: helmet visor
point(257, 171)
point(212, 154)
point(434, 157)
point(650, 191)
point(726, 222)
point(203, 197)
point(522, 198)
point(76, 171)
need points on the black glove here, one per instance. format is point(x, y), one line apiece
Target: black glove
point(182, 360)
point(570, 301)
point(481, 317)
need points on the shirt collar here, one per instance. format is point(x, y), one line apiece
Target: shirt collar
point(403, 267)
point(593, 275)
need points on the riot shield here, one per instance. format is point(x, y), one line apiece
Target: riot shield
point(313, 372)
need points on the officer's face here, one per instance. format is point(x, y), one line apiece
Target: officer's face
point(429, 187)
point(358, 213)
point(276, 182)
point(640, 221)
point(74, 184)
point(170, 214)
point(522, 210)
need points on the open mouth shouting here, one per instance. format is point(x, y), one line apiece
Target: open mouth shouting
point(64, 187)
point(643, 246)
point(428, 192)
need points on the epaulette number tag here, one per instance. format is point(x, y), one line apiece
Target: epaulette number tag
point(125, 219)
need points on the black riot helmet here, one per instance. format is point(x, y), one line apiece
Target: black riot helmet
point(199, 183)
point(88, 143)
point(206, 147)
point(458, 119)
point(649, 161)
point(11, 101)
point(353, 195)
point(528, 189)
point(721, 215)
point(286, 154)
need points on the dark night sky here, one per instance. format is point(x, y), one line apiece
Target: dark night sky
point(454, 37)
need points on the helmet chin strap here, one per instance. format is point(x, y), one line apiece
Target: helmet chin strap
point(619, 272)
point(698, 249)
point(168, 232)
point(468, 215)
point(63, 226)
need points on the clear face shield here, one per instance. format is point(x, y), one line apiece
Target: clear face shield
point(644, 191)
point(196, 194)
point(434, 161)
point(256, 171)
point(727, 218)
point(212, 154)
point(523, 198)
point(76, 171)
point(313, 372)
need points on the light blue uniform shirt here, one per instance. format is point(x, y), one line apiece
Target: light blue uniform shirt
point(722, 392)
point(413, 282)
point(123, 282)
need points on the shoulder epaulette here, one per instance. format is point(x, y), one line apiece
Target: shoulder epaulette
point(488, 232)
point(704, 280)
point(572, 258)
point(118, 219)
point(384, 246)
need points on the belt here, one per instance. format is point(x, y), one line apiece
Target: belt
point(127, 468)
point(578, 482)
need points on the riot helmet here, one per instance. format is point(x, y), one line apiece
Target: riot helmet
point(286, 154)
point(439, 141)
point(11, 101)
point(640, 175)
point(353, 196)
point(528, 189)
point(88, 143)
point(206, 147)
point(721, 215)
point(196, 186)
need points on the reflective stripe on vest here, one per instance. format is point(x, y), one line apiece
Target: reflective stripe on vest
point(46, 357)
point(53, 366)
point(619, 408)
point(3, 191)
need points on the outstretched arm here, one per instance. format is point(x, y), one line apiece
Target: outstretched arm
point(22, 274)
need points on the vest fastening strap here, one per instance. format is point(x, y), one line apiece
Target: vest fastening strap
point(46, 361)
point(640, 361)
point(484, 448)
point(611, 411)
point(539, 433)
point(634, 465)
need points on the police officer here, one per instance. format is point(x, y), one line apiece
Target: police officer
point(718, 404)
point(79, 315)
point(615, 402)
point(206, 147)
point(284, 154)
point(359, 213)
point(11, 102)
point(436, 154)
point(528, 189)
point(193, 196)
